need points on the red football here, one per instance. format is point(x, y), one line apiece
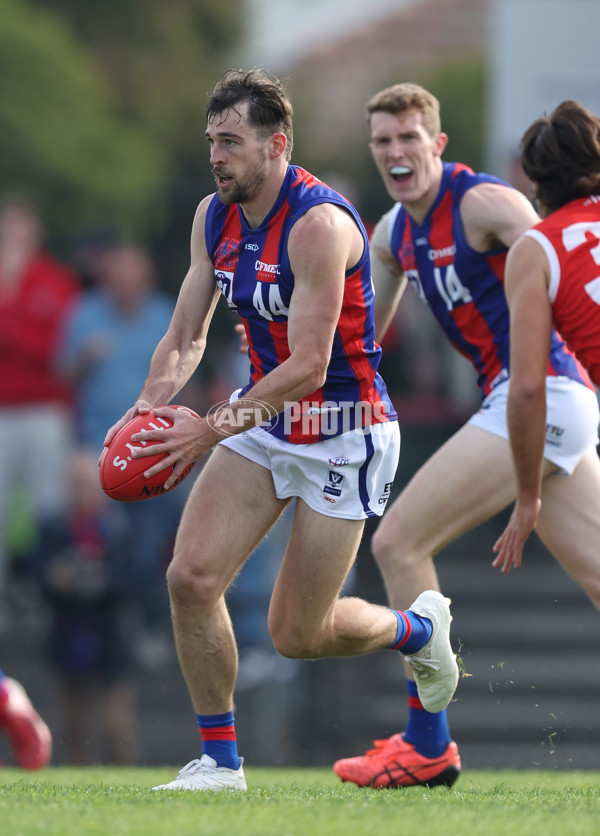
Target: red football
point(122, 476)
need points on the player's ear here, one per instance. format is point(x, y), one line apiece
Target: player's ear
point(278, 144)
point(440, 143)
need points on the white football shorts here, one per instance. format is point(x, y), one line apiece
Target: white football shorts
point(572, 418)
point(348, 476)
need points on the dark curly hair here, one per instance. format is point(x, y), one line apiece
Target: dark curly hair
point(560, 153)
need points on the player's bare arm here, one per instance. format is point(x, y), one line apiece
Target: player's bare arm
point(494, 215)
point(181, 349)
point(526, 282)
point(388, 279)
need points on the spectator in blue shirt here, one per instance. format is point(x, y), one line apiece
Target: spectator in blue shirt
point(108, 344)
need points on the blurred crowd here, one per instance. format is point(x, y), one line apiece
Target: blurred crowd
point(76, 341)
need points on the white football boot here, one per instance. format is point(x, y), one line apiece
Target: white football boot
point(204, 774)
point(434, 666)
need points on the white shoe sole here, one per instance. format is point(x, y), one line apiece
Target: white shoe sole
point(434, 666)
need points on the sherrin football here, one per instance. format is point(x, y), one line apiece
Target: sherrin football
point(122, 475)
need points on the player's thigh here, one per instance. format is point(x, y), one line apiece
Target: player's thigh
point(466, 481)
point(569, 522)
point(230, 509)
point(319, 555)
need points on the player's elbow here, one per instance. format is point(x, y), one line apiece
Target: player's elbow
point(307, 377)
point(308, 364)
point(314, 373)
point(317, 379)
point(526, 391)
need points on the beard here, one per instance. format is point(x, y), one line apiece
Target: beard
point(242, 191)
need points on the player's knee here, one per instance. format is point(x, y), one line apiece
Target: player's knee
point(293, 642)
point(295, 647)
point(188, 585)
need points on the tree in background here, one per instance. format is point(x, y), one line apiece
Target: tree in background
point(61, 140)
point(102, 106)
point(160, 58)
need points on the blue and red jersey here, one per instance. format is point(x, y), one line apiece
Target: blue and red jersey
point(253, 272)
point(465, 288)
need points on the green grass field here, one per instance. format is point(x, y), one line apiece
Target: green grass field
point(295, 802)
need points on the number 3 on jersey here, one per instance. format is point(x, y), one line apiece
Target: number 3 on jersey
point(268, 302)
point(576, 235)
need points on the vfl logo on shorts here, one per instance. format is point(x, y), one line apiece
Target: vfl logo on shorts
point(334, 482)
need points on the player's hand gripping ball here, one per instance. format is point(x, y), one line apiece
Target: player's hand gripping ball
point(122, 475)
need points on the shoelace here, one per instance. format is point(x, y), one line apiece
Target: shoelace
point(423, 667)
point(379, 745)
point(191, 767)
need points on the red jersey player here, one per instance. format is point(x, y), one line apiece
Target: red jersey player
point(552, 279)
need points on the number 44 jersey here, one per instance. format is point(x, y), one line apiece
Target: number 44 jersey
point(463, 287)
point(570, 238)
point(253, 272)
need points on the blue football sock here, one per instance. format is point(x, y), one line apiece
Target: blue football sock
point(218, 738)
point(428, 733)
point(414, 631)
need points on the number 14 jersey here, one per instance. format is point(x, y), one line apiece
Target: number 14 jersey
point(253, 272)
point(463, 287)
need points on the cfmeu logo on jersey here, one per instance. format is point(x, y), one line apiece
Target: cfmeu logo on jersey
point(228, 417)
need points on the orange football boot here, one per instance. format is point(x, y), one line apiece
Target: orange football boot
point(29, 736)
point(396, 763)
